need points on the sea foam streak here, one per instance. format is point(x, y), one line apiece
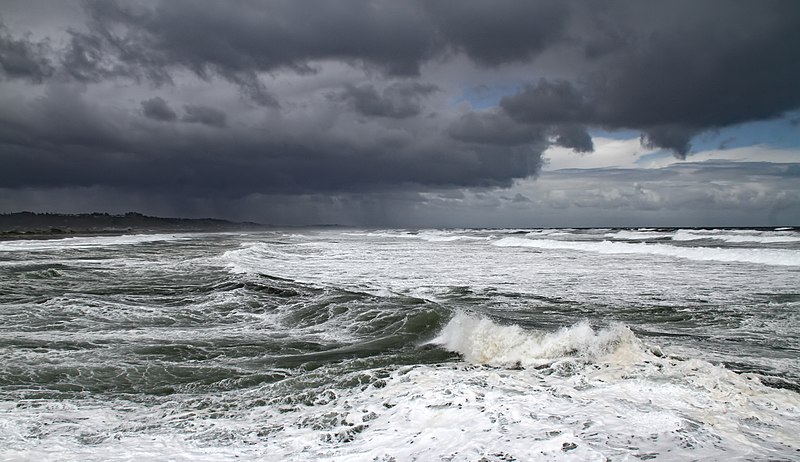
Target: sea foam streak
point(737, 236)
point(85, 242)
point(637, 235)
point(779, 257)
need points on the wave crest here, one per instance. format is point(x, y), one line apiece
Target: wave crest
point(779, 257)
point(482, 341)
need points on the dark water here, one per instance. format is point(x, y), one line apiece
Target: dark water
point(426, 345)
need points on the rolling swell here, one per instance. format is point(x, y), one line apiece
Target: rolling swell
point(231, 332)
point(342, 324)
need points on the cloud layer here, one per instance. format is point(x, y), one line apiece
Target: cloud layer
point(197, 99)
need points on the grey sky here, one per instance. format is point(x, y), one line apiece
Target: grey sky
point(363, 112)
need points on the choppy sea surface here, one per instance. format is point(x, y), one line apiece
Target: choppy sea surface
point(334, 344)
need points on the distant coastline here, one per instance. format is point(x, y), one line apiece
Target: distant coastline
point(26, 225)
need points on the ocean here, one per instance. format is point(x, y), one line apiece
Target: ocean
point(395, 345)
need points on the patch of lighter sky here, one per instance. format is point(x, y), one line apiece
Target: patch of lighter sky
point(608, 153)
point(754, 153)
point(629, 153)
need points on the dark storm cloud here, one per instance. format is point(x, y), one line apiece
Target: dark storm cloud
point(398, 101)
point(55, 125)
point(690, 67)
point(236, 40)
point(675, 137)
point(670, 70)
point(238, 167)
point(158, 109)
point(574, 137)
point(494, 128)
point(97, 147)
point(205, 115)
point(498, 32)
point(21, 58)
point(548, 102)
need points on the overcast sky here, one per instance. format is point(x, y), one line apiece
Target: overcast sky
point(405, 113)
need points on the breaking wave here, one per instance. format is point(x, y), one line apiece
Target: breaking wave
point(482, 341)
point(778, 257)
point(86, 242)
point(737, 236)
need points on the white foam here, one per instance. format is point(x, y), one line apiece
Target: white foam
point(482, 341)
point(623, 410)
point(424, 235)
point(779, 257)
point(441, 238)
point(762, 239)
point(32, 245)
point(638, 235)
point(737, 236)
point(551, 233)
point(94, 430)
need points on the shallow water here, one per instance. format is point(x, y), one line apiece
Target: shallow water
point(414, 345)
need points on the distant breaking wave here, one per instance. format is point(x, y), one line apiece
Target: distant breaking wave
point(734, 236)
point(725, 235)
point(779, 257)
point(86, 242)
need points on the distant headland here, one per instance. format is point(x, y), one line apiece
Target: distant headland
point(29, 224)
